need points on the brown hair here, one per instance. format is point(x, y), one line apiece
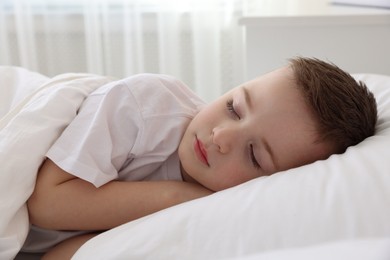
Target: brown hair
point(346, 109)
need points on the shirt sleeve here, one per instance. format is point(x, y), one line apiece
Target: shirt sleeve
point(99, 140)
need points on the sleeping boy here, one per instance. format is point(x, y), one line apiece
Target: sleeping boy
point(145, 143)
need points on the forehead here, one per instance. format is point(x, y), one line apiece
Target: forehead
point(277, 90)
point(279, 78)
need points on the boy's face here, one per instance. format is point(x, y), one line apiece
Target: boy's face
point(256, 129)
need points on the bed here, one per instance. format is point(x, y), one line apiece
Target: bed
point(333, 209)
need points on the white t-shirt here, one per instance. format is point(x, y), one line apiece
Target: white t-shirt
point(126, 130)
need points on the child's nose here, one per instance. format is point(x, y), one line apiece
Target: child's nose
point(224, 137)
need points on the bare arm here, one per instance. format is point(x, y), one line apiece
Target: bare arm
point(66, 249)
point(62, 201)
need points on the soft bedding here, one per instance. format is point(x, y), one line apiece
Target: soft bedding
point(340, 205)
point(358, 249)
point(345, 200)
point(35, 110)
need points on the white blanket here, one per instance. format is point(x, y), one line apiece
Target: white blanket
point(34, 111)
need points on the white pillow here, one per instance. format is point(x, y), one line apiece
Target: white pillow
point(359, 249)
point(344, 197)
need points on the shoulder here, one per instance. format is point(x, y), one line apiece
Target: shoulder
point(147, 78)
point(150, 83)
point(162, 92)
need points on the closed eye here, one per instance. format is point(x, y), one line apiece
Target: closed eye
point(253, 158)
point(230, 108)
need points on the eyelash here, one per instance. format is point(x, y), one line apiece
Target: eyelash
point(253, 158)
point(230, 108)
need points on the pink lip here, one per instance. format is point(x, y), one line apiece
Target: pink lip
point(200, 151)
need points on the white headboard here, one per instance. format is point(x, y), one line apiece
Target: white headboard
point(355, 39)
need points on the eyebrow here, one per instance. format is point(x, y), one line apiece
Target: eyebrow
point(267, 147)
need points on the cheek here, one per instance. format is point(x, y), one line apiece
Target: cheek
point(231, 175)
point(212, 111)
